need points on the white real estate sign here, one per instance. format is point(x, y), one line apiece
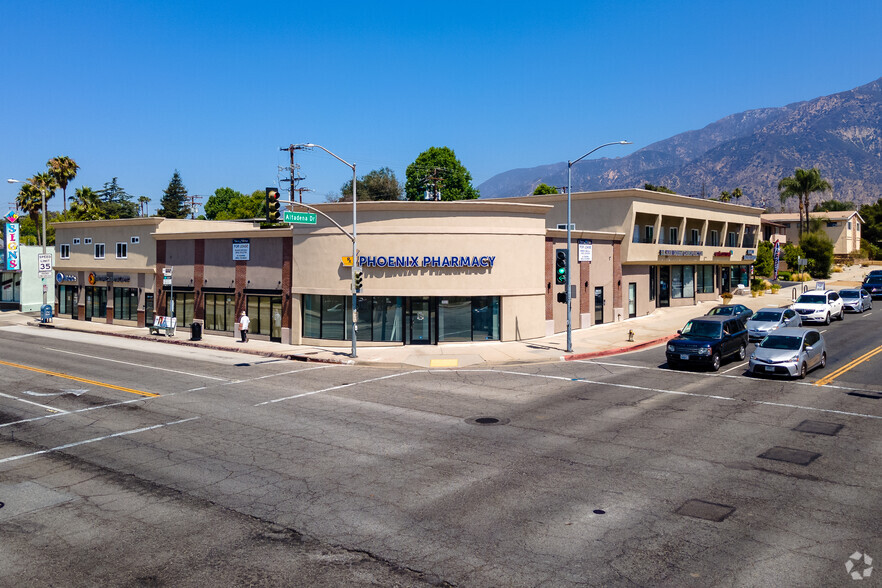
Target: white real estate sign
point(585, 249)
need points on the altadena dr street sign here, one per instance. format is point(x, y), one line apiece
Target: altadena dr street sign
point(302, 218)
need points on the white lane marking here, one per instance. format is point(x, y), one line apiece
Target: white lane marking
point(78, 392)
point(95, 440)
point(706, 375)
point(150, 367)
point(320, 367)
point(43, 406)
point(736, 367)
point(338, 387)
point(678, 393)
point(824, 330)
point(869, 313)
point(40, 418)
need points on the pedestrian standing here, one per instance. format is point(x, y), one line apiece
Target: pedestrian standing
point(244, 323)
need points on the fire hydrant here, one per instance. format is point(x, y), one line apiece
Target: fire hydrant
point(630, 334)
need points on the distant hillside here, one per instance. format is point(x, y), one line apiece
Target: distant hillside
point(841, 134)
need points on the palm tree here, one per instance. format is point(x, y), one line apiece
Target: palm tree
point(63, 169)
point(30, 201)
point(802, 184)
point(142, 201)
point(86, 205)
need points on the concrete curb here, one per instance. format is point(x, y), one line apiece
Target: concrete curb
point(276, 354)
point(607, 352)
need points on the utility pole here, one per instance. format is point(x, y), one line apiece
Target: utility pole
point(300, 192)
point(293, 173)
point(436, 180)
point(195, 201)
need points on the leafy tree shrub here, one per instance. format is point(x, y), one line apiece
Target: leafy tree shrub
point(764, 263)
point(819, 251)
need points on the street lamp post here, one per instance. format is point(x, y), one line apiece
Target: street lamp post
point(569, 221)
point(354, 236)
point(43, 198)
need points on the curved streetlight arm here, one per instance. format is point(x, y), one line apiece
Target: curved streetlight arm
point(596, 148)
point(329, 152)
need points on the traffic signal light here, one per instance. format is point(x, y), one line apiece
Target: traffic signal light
point(560, 273)
point(272, 205)
point(358, 279)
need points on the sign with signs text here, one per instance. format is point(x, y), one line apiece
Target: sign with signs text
point(11, 242)
point(462, 261)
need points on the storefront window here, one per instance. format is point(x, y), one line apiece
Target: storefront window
point(455, 319)
point(387, 317)
point(265, 313)
point(125, 304)
point(333, 311)
point(485, 318)
point(704, 277)
point(676, 281)
point(220, 312)
point(184, 303)
point(688, 281)
point(312, 316)
point(682, 281)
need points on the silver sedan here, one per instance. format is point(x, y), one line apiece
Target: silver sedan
point(767, 320)
point(789, 351)
point(857, 300)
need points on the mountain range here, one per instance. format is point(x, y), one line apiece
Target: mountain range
point(841, 134)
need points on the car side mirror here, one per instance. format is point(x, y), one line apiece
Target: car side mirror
point(808, 347)
point(679, 332)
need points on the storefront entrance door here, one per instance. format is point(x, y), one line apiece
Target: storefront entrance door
point(422, 321)
point(725, 285)
point(598, 305)
point(664, 285)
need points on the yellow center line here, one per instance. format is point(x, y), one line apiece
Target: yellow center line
point(85, 381)
point(830, 377)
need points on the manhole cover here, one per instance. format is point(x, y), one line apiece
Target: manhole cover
point(701, 509)
point(487, 420)
point(818, 427)
point(797, 456)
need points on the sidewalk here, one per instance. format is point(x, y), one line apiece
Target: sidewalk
point(598, 341)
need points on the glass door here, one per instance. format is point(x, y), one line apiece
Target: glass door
point(664, 285)
point(598, 305)
point(422, 319)
point(632, 300)
point(725, 285)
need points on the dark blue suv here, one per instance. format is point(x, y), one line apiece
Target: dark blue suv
point(708, 340)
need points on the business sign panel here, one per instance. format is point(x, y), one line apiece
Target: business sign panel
point(10, 245)
point(585, 249)
point(241, 249)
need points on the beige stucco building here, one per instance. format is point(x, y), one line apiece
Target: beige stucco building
point(843, 228)
point(434, 272)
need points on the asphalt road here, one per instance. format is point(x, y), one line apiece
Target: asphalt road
point(145, 464)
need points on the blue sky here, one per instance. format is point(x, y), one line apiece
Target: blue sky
point(138, 89)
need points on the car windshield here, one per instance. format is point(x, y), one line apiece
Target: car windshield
point(702, 329)
point(812, 299)
point(781, 342)
point(724, 310)
point(766, 316)
point(875, 281)
point(849, 294)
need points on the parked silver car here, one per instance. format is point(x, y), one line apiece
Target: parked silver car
point(856, 300)
point(789, 351)
point(768, 319)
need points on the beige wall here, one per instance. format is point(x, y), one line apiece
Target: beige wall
point(110, 232)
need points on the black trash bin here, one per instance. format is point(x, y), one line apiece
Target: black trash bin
point(196, 331)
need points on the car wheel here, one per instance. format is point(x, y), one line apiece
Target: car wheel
point(803, 370)
point(827, 319)
point(715, 362)
point(842, 314)
point(823, 360)
point(742, 352)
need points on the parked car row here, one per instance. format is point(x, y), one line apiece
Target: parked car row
point(784, 346)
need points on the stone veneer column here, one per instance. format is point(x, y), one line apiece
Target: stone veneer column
point(287, 268)
point(199, 280)
point(586, 294)
point(549, 279)
point(110, 302)
point(159, 298)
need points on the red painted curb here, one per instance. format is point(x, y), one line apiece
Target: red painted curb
point(619, 350)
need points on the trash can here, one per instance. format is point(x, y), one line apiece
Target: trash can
point(196, 331)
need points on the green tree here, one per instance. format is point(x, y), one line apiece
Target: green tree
point(143, 201)
point(833, 206)
point(438, 171)
point(764, 264)
point(654, 188)
point(174, 202)
point(229, 204)
point(725, 196)
point(86, 205)
point(791, 254)
point(220, 202)
point(802, 184)
point(819, 251)
point(30, 201)
point(63, 169)
point(872, 228)
point(544, 188)
point(115, 202)
point(379, 184)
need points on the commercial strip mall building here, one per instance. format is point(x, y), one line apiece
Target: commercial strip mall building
point(434, 272)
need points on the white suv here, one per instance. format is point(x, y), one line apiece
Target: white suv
point(819, 306)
